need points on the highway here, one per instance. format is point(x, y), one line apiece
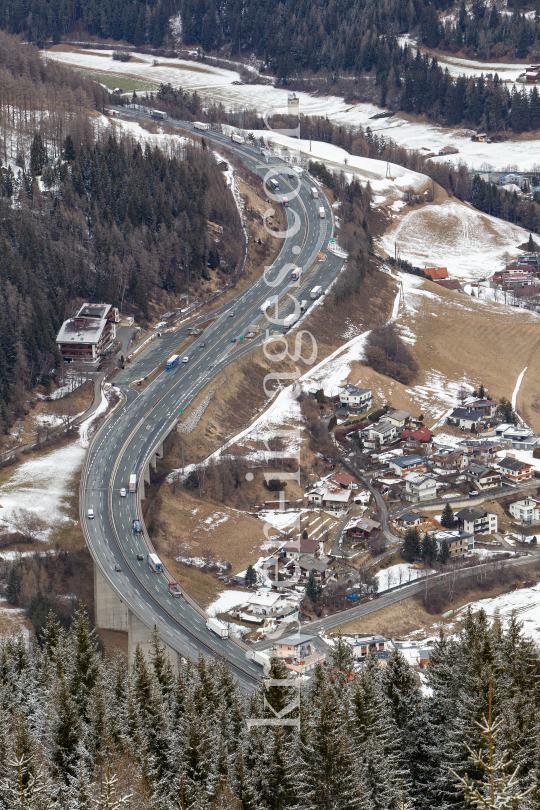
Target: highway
point(129, 437)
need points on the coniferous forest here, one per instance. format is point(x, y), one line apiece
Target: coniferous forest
point(79, 731)
point(87, 214)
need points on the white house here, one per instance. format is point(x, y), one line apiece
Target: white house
point(526, 510)
point(397, 418)
point(358, 398)
point(381, 431)
point(266, 603)
point(420, 487)
point(467, 418)
point(475, 520)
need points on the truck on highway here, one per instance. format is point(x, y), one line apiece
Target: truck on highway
point(296, 273)
point(267, 304)
point(200, 125)
point(316, 292)
point(132, 482)
point(298, 170)
point(289, 321)
point(273, 183)
point(158, 114)
point(154, 562)
point(303, 306)
point(321, 213)
point(136, 526)
point(174, 589)
point(259, 657)
point(286, 202)
point(237, 138)
point(314, 193)
point(172, 362)
point(217, 627)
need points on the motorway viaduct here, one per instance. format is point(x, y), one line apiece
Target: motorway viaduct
point(129, 596)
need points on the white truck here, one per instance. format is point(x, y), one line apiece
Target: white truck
point(159, 114)
point(267, 304)
point(154, 562)
point(314, 193)
point(201, 125)
point(296, 273)
point(217, 627)
point(316, 292)
point(289, 321)
point(298, 170)
point(303, 306)
point(321, 213)
point(259, 657)
point(132, 482)
point(237, 138)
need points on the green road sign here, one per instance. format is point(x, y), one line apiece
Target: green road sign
point(332, 240)
point(182, 411)
point(241, 339)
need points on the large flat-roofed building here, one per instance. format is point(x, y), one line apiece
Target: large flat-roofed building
point(89, 333)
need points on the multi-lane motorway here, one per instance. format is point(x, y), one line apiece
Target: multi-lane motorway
point(127, 439)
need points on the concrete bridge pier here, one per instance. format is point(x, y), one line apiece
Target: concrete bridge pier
point(140, 634)
point(112, 614)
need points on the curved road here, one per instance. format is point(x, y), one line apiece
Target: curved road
point(130, 436)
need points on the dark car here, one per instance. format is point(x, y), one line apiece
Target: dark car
point(202, 345)
point(117, 567)
point(140, 557)
point(233, 340)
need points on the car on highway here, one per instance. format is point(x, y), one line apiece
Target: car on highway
point(117, 568)
point(233, 340)
point(232, 314)
point(90, 514)
point(185, 359)
point(123, 492)
point(140, 557)
point(202, 345)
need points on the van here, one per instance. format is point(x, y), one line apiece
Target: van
point(90, 514)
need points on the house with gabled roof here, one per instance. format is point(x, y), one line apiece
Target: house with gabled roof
point(407, 464)
point(515, 470)
point(466, 418)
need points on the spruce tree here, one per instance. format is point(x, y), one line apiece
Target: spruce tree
point(376, 737)
point(251, 576)
point(411, 546)
point(325, 766)
point(444, 553)
point(447, 517)
point(65, 735)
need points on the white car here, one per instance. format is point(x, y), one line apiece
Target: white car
point(185, 359)
point(123, 492)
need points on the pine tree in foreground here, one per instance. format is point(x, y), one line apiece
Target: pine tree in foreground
point(499, 790)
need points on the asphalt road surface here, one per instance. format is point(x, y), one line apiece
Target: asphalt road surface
point(127, 439)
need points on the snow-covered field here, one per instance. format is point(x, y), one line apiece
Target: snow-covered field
point(472, 245)
point(457, 66)
point(524, 603)
point(43, 485)
point(398, 574)
point(216, 84)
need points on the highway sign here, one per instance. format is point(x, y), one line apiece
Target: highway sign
point(332, 240)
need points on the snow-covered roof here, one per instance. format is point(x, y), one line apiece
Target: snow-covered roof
point(264, 598)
